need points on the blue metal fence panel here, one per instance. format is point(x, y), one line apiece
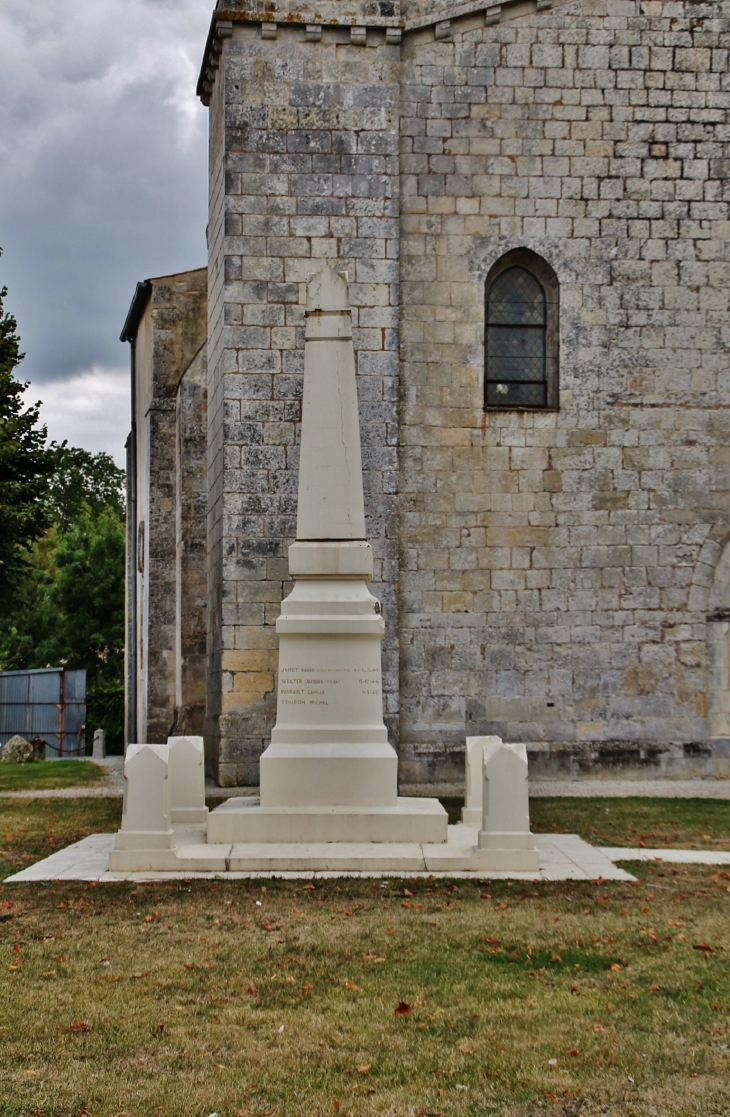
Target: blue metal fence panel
point(49, 703)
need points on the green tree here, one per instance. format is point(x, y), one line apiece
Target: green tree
point(83, 481)
point(25, 465)
point(62, 542)
point(70, 599)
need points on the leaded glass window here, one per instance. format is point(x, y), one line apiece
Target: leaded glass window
point(516, 326)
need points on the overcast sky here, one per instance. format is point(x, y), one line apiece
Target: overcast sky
point(103, 182)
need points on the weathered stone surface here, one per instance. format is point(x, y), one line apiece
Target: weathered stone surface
point(171, 400)
point(17, 750)
point(304, 168)
point(99, 746)
point(560, 578)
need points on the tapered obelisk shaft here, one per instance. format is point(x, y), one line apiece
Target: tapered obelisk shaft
point(331, 505)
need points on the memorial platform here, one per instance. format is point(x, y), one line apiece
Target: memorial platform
point(562, 857)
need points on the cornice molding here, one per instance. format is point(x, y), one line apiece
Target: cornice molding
point(396, 17)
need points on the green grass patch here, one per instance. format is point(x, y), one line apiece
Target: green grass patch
point(31, 829)
point(636, 821)
point(39, 775)
point(391, 999)
point(632, 822)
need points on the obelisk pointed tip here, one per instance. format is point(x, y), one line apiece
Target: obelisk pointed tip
point(327, 290)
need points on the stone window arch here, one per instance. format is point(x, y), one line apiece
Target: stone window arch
point(521, 358)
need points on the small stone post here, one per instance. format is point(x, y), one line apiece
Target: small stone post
point(99, 748)
point(505, 841)
point(471, 814)
point(187, 781)
point(145, 832)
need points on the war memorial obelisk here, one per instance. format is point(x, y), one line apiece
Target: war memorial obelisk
point(329, 779)
point(329, 774)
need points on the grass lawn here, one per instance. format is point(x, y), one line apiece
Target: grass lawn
point(289, 999)
point(50, 774)
point(673, 823)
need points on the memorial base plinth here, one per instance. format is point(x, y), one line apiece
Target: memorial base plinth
point(408, 821)
point(329, 775)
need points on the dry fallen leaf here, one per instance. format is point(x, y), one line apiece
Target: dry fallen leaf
point(573, 1051)
point(251, 990)
point(465, 1049)
point(598, 1028)
point(403, 1009)
point(79, 1026)
point(702, 946)
point(350, 985)
point(307, 989)
point(363, 1068)
point(614, 967)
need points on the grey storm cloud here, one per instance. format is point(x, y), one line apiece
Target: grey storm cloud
point(103, 171)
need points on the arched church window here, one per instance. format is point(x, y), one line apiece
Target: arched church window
point(521, 353)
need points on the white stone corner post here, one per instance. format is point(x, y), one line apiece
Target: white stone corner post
point(471, 814)
point(146, 833)
point(505, 841)
point(187, 781)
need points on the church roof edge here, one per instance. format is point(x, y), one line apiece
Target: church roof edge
point(141, 297)
point(398, 15)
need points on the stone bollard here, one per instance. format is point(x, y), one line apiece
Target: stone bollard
point(471, 814)
point(99, 749)
point(505, 841)
point(187, 781)
point(145, 835)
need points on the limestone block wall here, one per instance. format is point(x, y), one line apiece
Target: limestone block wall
point(555, 566)
point(169, 332)
point(546, 576)
point(304, 168)
point(191, 506)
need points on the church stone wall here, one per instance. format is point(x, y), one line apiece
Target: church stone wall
point(544, 574)
point(170, 333)
point(548, 559)
point(310, 164)
point(191, 506)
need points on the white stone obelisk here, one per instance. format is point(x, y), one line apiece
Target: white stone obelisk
point(330, 745)
point(329, 774)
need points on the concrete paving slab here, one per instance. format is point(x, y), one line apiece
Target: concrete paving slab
point(562, 857)
point(674, 856)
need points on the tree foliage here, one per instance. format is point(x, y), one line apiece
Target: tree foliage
point(83, 481)
point(62, 541)
point(25, 465)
